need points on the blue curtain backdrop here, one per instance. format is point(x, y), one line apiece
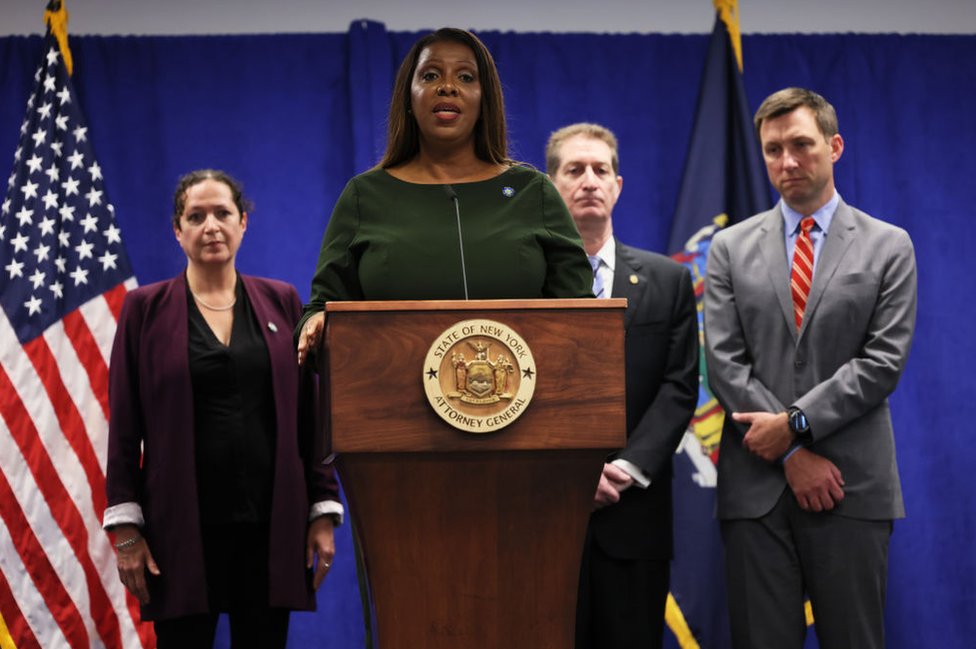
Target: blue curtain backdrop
point(295, 116)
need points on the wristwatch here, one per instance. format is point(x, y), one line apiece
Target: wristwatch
point(799, 425)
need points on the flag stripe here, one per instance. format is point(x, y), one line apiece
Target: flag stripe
point(12, 622)
point(116, 296)
point(101, 316)
point(42, 419)
point(20, 368)
point(87, 350)
point(22, 373)
point(63, 509)
point(69, 420)
point(75, 377)
point(56, 598)
point(37, 626)
point(42, 410)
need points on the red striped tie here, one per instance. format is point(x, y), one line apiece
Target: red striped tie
point(801, 278)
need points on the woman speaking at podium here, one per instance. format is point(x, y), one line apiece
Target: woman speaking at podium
point(446, 214)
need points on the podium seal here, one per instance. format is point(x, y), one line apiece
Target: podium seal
point(479, 375)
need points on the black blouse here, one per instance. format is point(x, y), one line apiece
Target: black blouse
point(234, 417)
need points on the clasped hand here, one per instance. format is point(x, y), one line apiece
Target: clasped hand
point(816, 482)
point(768, 435)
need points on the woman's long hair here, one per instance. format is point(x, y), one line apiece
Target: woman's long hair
point(403, 134)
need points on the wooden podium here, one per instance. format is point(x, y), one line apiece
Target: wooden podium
point(472, 540)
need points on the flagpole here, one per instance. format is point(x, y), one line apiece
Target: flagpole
point(723, 182)
point(728, 13)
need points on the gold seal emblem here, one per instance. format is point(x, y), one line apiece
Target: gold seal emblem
point(479, 375)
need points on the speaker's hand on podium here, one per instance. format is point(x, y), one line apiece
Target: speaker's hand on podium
point(308, 340)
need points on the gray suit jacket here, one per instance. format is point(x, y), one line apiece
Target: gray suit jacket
point(839, 368)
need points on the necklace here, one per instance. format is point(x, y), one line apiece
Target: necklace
point(214, 308)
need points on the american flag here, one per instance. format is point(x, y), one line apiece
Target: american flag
point(63, 276)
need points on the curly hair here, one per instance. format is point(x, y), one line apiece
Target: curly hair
point(194, 177)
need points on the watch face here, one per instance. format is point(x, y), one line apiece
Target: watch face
point(798, 421)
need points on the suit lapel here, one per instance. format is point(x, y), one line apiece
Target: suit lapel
point(833, 250)
point(171, 351)
point(627, 267)
point(262, 310)
point(773, 248)
point(277, 337)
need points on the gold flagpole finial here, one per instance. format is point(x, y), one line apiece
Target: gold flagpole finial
point(56, 18)
point(728, 11)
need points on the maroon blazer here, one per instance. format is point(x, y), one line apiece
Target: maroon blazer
point(151, 403)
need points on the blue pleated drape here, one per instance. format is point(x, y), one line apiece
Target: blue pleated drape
point(295, 116)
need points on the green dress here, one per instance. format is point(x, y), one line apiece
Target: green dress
point(393, 240)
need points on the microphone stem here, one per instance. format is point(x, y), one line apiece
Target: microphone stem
point(464, 272)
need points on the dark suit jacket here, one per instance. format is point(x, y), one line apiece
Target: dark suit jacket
point(839, 368)
point(151, 408)
point(661, 349)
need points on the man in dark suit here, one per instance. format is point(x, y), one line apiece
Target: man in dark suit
point(625, 571)
point(809, 315)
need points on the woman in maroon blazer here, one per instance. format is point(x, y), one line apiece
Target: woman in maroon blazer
point(218, 495)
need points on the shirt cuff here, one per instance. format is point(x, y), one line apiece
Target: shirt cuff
point(325, 507)
point(123, 514)
point(634, 471)
point(793, 449)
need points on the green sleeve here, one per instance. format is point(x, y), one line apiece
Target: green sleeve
point(568, 273)
point(337, 271)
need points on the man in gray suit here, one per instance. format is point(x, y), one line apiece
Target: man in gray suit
point(807, 480)
point(625, 569)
